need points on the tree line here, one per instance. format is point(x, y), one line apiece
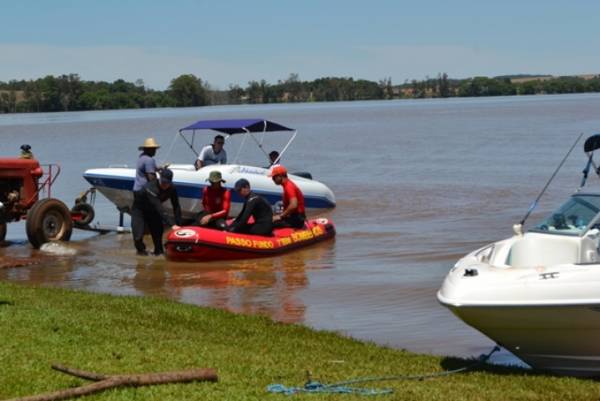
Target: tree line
point(70, 93)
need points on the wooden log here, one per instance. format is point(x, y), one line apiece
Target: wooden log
point(105, 382)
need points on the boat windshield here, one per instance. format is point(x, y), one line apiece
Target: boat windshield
point(573, 217)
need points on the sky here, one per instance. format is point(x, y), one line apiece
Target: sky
point(232, 42)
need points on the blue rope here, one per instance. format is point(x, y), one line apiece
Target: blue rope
point(317, 387)
point(313, 386)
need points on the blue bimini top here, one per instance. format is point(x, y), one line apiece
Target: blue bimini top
point(237, 126)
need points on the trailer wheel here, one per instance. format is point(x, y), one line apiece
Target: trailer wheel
point(48, 220)
point(87, 214)
point(2, 232)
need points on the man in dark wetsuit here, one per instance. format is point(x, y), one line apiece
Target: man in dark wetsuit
point(255, 206)
point(147, 210)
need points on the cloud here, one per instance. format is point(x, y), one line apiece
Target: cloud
point(157, 66)
point(107, 63)
point(416, 62)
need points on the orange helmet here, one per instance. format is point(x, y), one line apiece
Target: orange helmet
point(277, 170)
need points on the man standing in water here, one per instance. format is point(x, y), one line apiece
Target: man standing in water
point(147, 210)
point(145, 169)
point(293, 214)
point(212, 154)
point(255, 206)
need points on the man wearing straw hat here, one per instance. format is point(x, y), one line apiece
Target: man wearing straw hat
point(145, 169)
point(216, 202)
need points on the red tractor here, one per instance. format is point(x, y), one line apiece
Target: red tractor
point(22, 182)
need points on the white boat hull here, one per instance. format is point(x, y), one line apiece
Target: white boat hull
point(547, 315)
point(116, 184)
point(564, 340)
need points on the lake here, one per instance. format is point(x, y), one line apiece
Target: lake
point(419, 183)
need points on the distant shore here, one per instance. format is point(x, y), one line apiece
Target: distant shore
point(70, 93)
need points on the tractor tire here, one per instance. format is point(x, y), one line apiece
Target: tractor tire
point(87, 213)
point(2, 232)
point(48, 220)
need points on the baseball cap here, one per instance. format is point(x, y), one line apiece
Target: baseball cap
point(277, 170)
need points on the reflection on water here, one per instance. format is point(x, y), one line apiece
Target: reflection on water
point(267, 286)
point(260, 286)
point(418, 184)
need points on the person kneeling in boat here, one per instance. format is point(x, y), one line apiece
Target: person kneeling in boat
point(216, 202)
point(293, 214)
point(255, 206)
point(147, 210)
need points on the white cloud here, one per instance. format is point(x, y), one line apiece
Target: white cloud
point(416, 62)
point(157, 66)
point(406, 62)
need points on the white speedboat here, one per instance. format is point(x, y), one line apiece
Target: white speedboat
point(537, 294)
point(116, 183)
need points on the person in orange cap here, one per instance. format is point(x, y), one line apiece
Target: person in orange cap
point(293, 214)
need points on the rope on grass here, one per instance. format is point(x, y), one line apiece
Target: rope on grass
point(312, 386)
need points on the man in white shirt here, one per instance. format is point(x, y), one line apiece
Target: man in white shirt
point(212, 154)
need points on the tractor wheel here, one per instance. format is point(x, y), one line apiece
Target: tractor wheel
point(2, 231)
point(48, 220)
point(87, 214)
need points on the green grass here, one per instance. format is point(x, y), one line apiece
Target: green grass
point(110, 334)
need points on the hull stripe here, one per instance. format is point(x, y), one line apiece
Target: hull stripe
point(194, 191)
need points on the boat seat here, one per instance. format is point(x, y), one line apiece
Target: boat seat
point(535, 250)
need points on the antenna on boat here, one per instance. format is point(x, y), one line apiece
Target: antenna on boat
point(518, 228)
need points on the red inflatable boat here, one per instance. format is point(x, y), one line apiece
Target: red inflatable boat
point(198, 244)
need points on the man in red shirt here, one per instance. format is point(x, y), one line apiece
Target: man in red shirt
point(216, 201)
point(293, 214)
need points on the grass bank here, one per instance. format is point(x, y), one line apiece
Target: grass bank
point(109, 334)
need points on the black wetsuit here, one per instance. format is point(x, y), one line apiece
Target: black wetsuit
point(147, 210)
point(257, 207)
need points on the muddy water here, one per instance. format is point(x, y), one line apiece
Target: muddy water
point(418, 184)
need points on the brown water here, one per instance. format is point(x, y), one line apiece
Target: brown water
point(418, 184)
